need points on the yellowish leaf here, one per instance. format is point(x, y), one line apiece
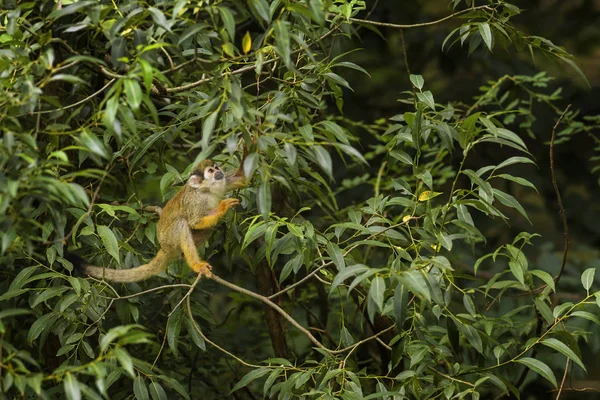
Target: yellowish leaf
point(246, 43)
point(428, 195)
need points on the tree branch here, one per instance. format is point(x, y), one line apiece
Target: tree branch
point(400, 26)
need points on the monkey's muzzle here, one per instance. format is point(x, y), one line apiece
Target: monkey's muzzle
point(219, 175)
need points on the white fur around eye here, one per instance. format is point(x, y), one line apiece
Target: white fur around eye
point(194, 181)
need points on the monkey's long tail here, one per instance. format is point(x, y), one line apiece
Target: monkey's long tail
point(157, 264)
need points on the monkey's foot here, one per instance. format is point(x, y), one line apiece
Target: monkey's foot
point(203, 268)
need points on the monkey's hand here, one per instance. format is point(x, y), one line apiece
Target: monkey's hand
point(225, 205)
point(203, 268)
point(213, 217)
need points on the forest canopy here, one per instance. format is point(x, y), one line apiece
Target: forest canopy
point(419, 219)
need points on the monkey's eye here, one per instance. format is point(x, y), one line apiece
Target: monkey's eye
point(210, 170)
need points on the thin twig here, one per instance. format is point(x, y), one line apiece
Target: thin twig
point(78, 102)
point(207, 340)
point(187, 294)
point(185, 285)
point(564, 378)
point(301, 281)
point(273, 306)
point(400, 26)
point(559, 200)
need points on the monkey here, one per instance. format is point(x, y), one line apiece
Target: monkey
point(183, 224)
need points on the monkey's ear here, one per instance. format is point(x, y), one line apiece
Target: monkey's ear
point(195, 181)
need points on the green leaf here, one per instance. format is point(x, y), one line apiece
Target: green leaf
point(472, 336)
point(282, 42)
point(586, 315)
point(336, 130)
point(323, 159)
point(13, 312)
point(264, 199)
point(416, 283)
point(44, 322)
point(347, 273)
point(336, 255)
point(401, 156)
point(69, 78)
point(173, 330)
point(93, 144)
point(546, 277)
point(573, 65)
point(544, 310)
point(109, 241)
point(587, 278)
point(71, 9)
point(115, 333)
point(228, 21)
point(509, 201)
point(261, 7)
point(157, 392)
point(249, 377)
point(469, 305)
point(417, 81)
point(125, 360)
point(400, 304)
point(516, 179)
point(207, 128)
point(564, 349)
point(290, 154)
point(270, 380)
point(48, 294)
point(22, 278)
point(486, 35)
point(377, 290)
point(539, 367)
point(139, 389)
point(427, 98)
point(133, 93)
point(349, 64)
point(72, 389)
point(196, 338)
point(255, 231)
point(174, 384)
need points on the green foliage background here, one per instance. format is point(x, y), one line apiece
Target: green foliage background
point(396, 240)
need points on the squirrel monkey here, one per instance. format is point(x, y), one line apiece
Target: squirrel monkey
point(184, 223)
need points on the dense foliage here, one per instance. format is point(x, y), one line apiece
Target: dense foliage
point(356, 266)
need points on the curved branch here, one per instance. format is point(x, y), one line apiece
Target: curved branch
point(96, 93)
point(408, 26)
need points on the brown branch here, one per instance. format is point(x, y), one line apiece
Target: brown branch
point(564, 378)
point(559, 200)
point(400, 26)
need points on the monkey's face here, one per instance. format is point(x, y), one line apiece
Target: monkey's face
point(208, 176)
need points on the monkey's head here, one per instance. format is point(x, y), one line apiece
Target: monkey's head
point(207, 176)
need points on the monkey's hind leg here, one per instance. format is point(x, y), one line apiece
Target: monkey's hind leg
point(213, 217)
point(190, 252)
